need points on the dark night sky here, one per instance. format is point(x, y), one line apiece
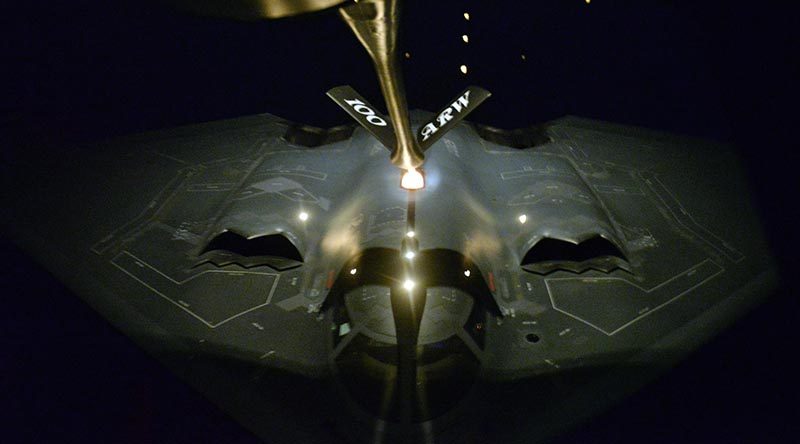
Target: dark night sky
point(86, 69)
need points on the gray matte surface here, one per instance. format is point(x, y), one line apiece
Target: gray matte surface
point(126, 223)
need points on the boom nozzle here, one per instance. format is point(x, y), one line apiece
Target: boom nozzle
point(375, 23)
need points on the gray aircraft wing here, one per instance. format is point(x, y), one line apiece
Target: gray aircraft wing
point(561, 266)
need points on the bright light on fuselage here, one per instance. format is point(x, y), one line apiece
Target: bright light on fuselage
point(412, 180)
point(303, 216)
point(522, 218)
point(353, 271)
point(409, 284)
point(410, 255)
point(411, 234)
point(467, 273)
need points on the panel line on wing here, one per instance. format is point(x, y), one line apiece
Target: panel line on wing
point(120, 260)
point(685, 219)
point(714, 270)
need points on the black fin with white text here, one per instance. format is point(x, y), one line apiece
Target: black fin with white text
point(447, 118)
point(365, 114)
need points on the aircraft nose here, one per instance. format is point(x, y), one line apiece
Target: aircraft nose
point(407, 355)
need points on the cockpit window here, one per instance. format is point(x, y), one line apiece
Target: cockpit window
point(369, 309)
point(446, 310)
point(386, 354)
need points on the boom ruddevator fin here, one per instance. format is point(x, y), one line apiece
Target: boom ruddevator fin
point(448, 117)
point(365, 114)
point(381, 127)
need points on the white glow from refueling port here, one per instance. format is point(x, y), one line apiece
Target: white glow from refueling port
point(353, 271)
point(522, 218)
point(467, 273)
point(412, 180)
point(303, 216)
point(411, 234)
point(409, 284)
point(410, 255)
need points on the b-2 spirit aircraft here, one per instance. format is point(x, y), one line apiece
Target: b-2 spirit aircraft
point(284, 272)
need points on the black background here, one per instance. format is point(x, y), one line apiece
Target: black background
point(85, 70)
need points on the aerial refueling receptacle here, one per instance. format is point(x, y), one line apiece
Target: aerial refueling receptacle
point(412, 180)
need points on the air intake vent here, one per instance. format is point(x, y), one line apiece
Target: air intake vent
point(274, 250)
point(596, 253)
point(310, 136)
point(520, 138)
